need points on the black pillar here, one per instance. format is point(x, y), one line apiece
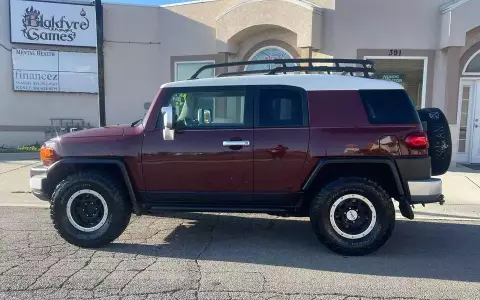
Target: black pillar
point(100, 61)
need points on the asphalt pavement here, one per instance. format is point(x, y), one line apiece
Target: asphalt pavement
point(238, 256)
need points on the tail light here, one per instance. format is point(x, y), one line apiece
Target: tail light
point(48, 155)
point(417, 140)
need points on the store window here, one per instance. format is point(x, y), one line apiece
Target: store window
point(185, 69)
point(473, 65)
point(269, 53)
point(409, 72)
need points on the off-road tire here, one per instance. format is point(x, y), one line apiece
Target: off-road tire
point(439, 137)
point(320, 216)
point(119, 209)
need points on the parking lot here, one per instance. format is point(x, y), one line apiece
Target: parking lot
point(238, 256)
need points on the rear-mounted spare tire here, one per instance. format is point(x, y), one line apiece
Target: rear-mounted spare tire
point(439, 137)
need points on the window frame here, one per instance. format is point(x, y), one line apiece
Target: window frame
point(304, 99)
point(248, 108)
point(467, 64)
point(206, 62)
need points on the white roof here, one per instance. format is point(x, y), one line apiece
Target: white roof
point(309, 82)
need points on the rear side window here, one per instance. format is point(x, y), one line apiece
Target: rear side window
point(389, 107)
point(280, 107)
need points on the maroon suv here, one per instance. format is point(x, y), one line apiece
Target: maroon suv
point(332, 147)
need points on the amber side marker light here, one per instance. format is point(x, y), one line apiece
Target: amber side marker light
point(47, 155)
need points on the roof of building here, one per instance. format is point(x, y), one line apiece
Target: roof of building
point(309, 82)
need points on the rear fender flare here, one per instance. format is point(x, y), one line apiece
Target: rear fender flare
point(93, 161)
point(401, 187)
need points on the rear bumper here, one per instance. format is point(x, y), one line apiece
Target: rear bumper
point(425, 191)
point(38, 181)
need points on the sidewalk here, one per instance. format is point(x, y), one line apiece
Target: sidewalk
point(461, 187)
point(14, 180)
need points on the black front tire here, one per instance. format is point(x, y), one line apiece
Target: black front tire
point(117, 218)
point(320, 211)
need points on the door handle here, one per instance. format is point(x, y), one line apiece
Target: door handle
point(236, 143)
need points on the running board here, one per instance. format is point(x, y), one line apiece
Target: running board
point(156, 209)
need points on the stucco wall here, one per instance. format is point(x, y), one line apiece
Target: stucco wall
point(24, 115)
point(459, 21)
point(138, 54)
point(382, 24)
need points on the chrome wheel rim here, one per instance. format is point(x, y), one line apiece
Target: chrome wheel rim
point(353, 216)
point(87, 210)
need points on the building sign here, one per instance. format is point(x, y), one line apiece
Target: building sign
point(54, 71)
point(398, 78)
point(52, 23)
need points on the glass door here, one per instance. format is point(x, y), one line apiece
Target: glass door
point(474, 124)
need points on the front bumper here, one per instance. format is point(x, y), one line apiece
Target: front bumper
point(426, 191)
point(38, 182)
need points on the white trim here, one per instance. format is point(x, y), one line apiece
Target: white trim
point(464, 71)
point(472, 106)
point(447, 7)
point(474, 83)
point(187, 3)
point(303, 3)
point(425, 71)
point(190, 62)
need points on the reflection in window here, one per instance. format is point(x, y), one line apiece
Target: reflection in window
point(279, 108)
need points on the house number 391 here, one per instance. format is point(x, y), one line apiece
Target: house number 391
point(395, 52)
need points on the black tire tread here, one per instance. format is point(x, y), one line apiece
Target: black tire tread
point(440, 160)
point(320, 198)
point(108, 183)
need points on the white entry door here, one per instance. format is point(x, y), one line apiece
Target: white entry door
point(475, 124)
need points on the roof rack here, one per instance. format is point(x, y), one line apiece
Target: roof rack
point(344, 66)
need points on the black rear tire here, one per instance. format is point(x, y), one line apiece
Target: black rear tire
point(105, 193)
point(439, 137)
point(381, 220)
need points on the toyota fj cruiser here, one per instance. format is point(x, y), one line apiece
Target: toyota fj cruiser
point(337, 147)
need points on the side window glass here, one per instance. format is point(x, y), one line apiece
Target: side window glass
point(280, 108)
point(224, 109)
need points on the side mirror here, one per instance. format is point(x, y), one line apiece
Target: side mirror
point(207, 116)
point(204, 116)
point(168, 132)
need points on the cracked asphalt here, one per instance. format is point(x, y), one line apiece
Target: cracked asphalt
point(234, 256)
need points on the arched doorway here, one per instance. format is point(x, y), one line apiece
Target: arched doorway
point(469, 111)
point(268, 53)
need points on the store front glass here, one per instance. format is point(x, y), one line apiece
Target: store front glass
point(269, 53)
point(410, 73)
point(184, 70)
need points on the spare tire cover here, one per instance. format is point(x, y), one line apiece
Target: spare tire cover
point(439, 137)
